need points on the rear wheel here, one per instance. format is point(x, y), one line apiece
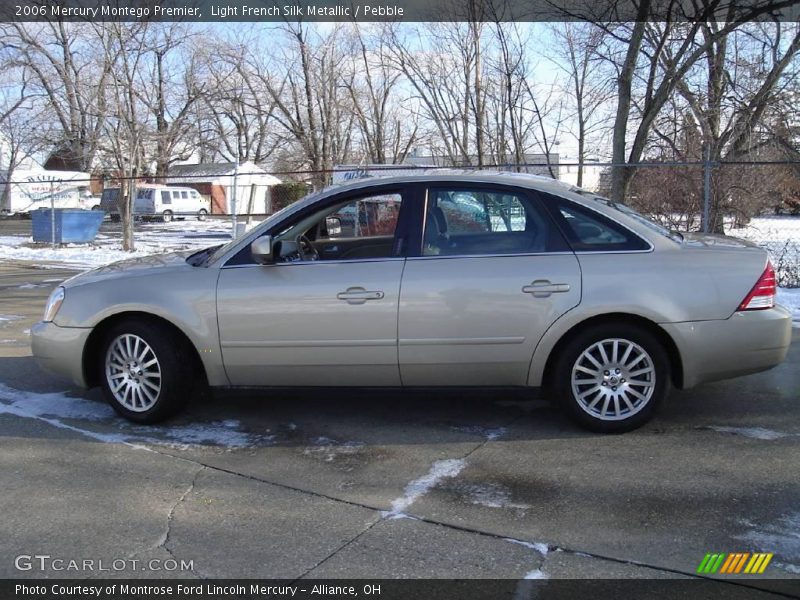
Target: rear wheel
point(166, 216)
point(611, 378)
point(202, 214)
point(146, 372)
point(96, 207)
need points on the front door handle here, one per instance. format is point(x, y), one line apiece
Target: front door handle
point(358, 295)
point(542, 288)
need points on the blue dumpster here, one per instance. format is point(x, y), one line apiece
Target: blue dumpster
point(73, 225)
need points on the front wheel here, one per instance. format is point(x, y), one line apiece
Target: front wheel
point(611, 378)
point(166, 216)
point(202, 214)
point(146, 373)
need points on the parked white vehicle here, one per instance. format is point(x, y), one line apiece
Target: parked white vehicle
point(159, 201)
point(28, 190)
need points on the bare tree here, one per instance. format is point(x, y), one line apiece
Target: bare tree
point(125, 135)
point(645, 81)
point(311, 103)
point(735, 84)
point(589, 88)
point(65, 63)
point(238, 106)
point(387, 130)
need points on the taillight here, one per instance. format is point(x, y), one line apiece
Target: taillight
point(763, 293)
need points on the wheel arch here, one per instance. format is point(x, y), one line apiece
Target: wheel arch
point(670, 347)
point(93, 346)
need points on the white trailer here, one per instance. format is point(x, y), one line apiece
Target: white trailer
point(28, 190)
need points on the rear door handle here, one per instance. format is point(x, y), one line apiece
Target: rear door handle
point(358, 295)
point(542, 288)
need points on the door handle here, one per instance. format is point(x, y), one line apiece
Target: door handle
point(542, 288)
point(358, 295)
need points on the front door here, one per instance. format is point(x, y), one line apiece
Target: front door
point(493, 275)
point(325, 313)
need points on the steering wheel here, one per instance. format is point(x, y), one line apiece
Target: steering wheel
point(306, 249)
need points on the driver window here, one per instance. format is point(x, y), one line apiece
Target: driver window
point(357, 228)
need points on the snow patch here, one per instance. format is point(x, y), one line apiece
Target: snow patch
point(781, 536)
point(32, 286)
point(491, 495)
point(535, 574)
point(151, 238)
point(441, 469)
point(488, 433)
point(328, 450)
point(53, 408)
point(759, 433)
point(790, 298)
point(5, 318)
point(539, 547)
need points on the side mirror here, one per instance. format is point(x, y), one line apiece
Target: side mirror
point(333, 226)
point(261, 250)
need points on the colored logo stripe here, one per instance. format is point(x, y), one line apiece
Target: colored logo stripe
point(734, 563)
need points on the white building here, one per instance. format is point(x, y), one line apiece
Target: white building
point(215, 181)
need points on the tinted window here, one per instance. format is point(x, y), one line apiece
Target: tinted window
point(166, 198)
point(176, 195)
point(484, 221)
point(587, 230)
point(185, 195)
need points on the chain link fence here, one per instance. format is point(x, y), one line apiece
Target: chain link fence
point(756, 201)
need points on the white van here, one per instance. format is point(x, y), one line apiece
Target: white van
point(159, 201)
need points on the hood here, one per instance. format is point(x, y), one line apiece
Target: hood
point(708, 240)
point(133, 267)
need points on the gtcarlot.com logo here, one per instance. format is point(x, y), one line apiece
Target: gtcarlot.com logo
point(46, 562)
point(735, 563)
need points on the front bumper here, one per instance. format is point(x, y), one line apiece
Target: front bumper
point(59, 350)
point(747, 342)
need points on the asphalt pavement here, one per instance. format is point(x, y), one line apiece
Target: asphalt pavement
point(390, 484)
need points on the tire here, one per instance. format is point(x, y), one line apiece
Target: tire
point(202, 214)
point(96, 207)
point(586, 388)
point(139, 397)
point(115, 218)
point(166, 216)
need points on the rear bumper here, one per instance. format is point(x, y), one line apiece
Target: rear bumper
point(747, 342)
point(59, 350)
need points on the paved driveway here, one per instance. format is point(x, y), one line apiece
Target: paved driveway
point(346, 484)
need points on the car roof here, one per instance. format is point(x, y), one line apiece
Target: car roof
point(529, 180)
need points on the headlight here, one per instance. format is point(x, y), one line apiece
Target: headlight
point(53, 304)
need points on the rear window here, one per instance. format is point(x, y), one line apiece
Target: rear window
point(628, 211)
point(589, 231)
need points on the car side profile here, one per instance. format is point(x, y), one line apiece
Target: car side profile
point(496, 280)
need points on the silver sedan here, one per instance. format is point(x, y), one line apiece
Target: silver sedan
point(496, 280)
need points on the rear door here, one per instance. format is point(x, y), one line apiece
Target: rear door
point(492, 273)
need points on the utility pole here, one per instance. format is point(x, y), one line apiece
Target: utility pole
point(235, 185)
point(52, 215)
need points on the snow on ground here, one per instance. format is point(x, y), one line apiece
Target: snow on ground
point(758, 433)
point(328, 450)
point(150, 238)
point(62, 411)
point(790, 298)
point(781, 536)
point(441, 469)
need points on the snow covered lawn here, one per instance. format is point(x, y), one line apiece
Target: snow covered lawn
point(150, 238)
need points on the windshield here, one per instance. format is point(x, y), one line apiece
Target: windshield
point(628, 211)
